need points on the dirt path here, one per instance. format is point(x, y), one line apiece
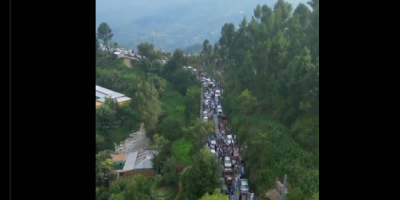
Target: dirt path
point(179, 190)
point(138, 141)
point(127, 62)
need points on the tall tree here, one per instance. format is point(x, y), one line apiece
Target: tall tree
point(158, 142)
point(198, 132)
point(216, 50)
point(207, 48)
point(106, 121)
point(273, 74)
point(103, 166)
point(175, 63)
point(169, 172)
point(159, 83)
point(203, 176)
point(104, 33)
point(192, 109)
point(147, 50)
point(147, 103)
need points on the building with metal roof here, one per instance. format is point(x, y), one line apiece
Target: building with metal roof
point(138, 162)
point(103, 93)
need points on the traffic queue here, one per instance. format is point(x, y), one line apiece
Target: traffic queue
point(222, 144)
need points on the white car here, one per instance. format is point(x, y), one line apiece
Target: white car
point(227, 162)
point(205, 118)
point(213, 143)
point(229, 139)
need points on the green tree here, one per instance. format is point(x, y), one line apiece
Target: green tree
point(170, 177)
point(100, 142)
point(118, 196)
point(106, 121)
point(104, 33)
point(203, 175)
point(133, 188)
point(158, 142)
point(192, 109)
point(181, 151)
point(199, 132)
point(214, 196)
point(216, 49)
point(147, 50)
point(104, 166)
point(272, 94)
point(138, 188)
point(175, 63)
point(159, 83)
point(147, 103)
point(205, 48)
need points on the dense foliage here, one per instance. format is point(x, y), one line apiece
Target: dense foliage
point(214, 196)
point(272, 94)
point(181, 151)
point(269, 67)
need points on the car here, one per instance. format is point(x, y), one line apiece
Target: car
point(229, 176)
point(217, 92)
point(205, 118)
point(244, 185)
point(213, 143)
point(227, 162)
point(229, 139)
point(219, 109)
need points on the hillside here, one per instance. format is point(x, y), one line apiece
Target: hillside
point(173, 24)
point(258, 120)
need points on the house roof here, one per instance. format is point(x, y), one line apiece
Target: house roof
point(138, 160)
point(120, 157)
point(143, 160)
point(103, 93)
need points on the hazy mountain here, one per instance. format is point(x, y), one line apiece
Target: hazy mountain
point(172, 24)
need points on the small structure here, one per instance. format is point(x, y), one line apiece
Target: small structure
point(118, 160)
point(138, 162)
point(103, 93)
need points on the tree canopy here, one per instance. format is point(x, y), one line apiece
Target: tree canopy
point(104, 32)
